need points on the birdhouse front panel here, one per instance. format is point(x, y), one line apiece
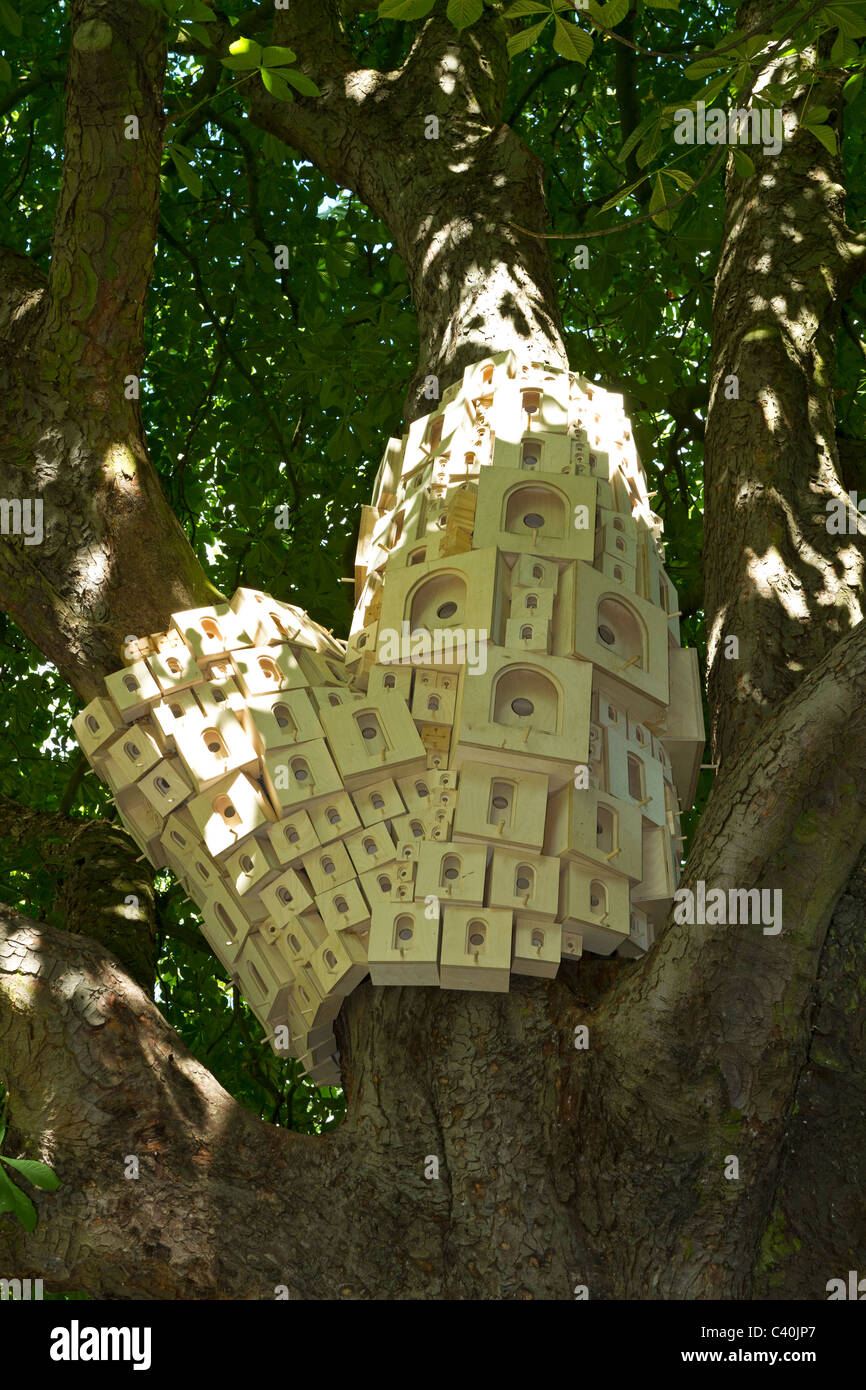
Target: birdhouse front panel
point(484, 780)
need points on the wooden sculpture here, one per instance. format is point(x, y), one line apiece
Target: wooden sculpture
point(485, 779)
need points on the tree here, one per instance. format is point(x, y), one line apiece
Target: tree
point(320, 165)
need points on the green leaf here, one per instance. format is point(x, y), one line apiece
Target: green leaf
point(405, 9)
point(196, 9)
point(663, 4)
point(851, 90)
point(525, 7)
point(623, 194)
point(705, 67)
point(754, 44)
point(635, 138)
point(743, 164)
point(680, 178)
point(815, 115)
point(571, 42)
point(709, 93)
point(273, 148)
point(650, 147)
point(526, 38)
point(199, 32)
point(188, 174)
point(274, 56)
point(824, 134)
point(38, 1173)
point(613, 13)
point(10, 19)
point(844, 51)
point(301, 83)
point(5, 70)
point(776, 92)
point(244, 54)
point(14, 1200)
point(277, 86)
point(462, 13)
point(658, 201)
point(843, 16)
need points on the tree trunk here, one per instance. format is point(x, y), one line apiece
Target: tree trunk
point(113, 560)
point(426, 149)
point(777, 580)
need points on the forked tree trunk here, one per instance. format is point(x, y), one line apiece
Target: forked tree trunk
point(484, 1154)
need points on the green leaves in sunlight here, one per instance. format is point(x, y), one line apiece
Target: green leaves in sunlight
point(274, 64)
point(570, 41)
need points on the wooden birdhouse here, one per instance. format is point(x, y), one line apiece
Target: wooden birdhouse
point(465, 593)
point(280, 720)
point(133, 691)
point(455, 873)
point(369, 739)
point(344, 909)
point(554, 518)
point(537, 948)
point(525, 710)
point(404, 945)
point(96, 726)
point(528, 884)
point(130, 756)
point(292, 836)
point(476, 948)
point(228, 812)
point(623, 635)
point(334, 817)
point(595, 904)
point(683, 725)
point(378, 802)
point(486, 779)
point(264, 671)
point(592, 825)
point(174, 670)
point(296, 777)
point(501, 806)
point(286, 896)
point(390, 680)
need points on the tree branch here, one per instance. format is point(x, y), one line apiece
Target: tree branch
point(105, 225)
point(91, 867)
point(95, 1077)
point(106, 556)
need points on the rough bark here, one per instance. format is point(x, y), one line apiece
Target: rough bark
point(92, 871)
point(776, 578)
point(229, 1207)
point(114, 560)
point(816, 1224)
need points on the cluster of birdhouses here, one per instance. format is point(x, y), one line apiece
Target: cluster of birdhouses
point(486, 779)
